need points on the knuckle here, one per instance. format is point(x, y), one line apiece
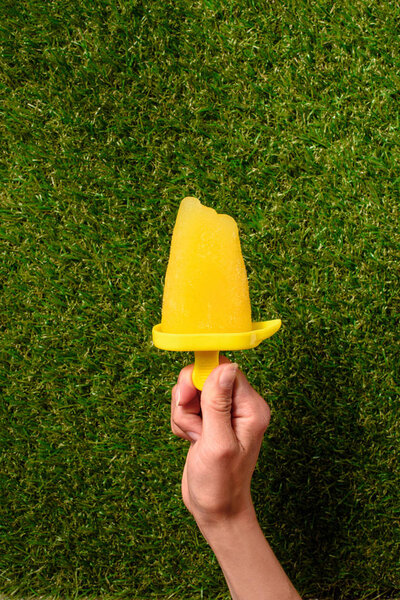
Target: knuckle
point(179, 433)
point(224, 452)
point(174, 426)
point(265, 417)
point(221, 403)
point(178, 430)
point(262, 418)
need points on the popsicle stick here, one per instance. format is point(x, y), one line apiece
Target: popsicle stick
point(204, 362)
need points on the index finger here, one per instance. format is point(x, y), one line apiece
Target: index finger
point(187, 416)
point(189, 394)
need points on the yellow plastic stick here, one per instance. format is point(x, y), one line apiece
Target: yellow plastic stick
point(204, 362)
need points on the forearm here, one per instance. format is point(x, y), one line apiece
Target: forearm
point(250, 567)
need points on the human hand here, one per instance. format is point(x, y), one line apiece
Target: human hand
point(225, 424)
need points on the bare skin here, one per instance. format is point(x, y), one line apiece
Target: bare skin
point(225, 425)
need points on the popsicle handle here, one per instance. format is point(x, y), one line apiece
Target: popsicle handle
point(204, 362)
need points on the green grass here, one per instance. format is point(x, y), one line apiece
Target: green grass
point(284, 115)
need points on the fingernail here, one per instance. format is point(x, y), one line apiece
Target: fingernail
point(193, 435)
point(228, 375)
point(178, 395)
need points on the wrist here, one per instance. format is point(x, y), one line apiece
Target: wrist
point(216, 529)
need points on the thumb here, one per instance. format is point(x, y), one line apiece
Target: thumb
point(216, 404)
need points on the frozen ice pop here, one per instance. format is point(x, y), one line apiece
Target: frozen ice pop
point(206, 289)
point(206, 304)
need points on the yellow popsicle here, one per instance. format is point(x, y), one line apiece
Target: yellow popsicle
point(206, 289)
point(206, 304)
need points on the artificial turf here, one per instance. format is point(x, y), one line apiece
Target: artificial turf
point(284, 115)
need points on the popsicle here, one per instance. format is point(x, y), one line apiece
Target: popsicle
point(206, 304)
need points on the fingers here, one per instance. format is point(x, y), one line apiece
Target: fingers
point(186, 421)
point(234, 411)
point(250, 412)
point(187, 416)
point(188, 393)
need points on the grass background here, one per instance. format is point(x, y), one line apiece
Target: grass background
point(284, 115)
